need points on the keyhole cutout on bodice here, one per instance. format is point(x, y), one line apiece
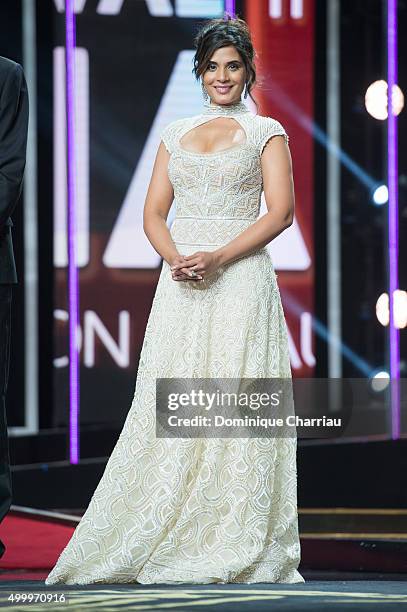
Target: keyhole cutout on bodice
point(213, 136)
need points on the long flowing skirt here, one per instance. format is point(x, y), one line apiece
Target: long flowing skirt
point(178, 510)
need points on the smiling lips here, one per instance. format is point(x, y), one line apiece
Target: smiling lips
point(223, 89)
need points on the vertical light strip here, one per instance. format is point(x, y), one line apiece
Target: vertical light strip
point(275, 9)
point(333, 195)
point(392, 174)
point(230, 7)
point(30, 221)
point(73, 286)
point(297, 9)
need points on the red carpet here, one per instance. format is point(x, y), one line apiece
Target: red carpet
point(31, 546)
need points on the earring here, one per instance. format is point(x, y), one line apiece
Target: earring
point(204, 92)
point(246, 91)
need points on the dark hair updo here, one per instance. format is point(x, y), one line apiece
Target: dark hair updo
point(218, 33)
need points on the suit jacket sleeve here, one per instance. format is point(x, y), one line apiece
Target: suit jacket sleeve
point(13, 139)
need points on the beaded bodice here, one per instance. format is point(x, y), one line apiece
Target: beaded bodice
point(217, 194)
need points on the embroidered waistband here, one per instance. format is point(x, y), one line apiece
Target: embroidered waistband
point(216, 218)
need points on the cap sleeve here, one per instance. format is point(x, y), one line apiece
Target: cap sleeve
point(167, 136)
point(268, 128)
point(170, 134)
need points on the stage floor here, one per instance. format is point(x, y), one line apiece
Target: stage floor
point(346, 591)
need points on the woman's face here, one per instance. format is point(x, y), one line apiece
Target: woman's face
point(225, 77)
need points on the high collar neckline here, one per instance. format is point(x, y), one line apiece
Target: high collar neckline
point(223, 109)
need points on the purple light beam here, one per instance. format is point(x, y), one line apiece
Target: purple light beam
point(73, 286)
point(229, 7)
point(392, 173)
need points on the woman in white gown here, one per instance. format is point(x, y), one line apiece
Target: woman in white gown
point(177, 510)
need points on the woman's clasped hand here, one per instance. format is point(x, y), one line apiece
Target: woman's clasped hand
point(195, 267)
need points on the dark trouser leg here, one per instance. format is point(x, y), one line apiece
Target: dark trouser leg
point(5, 336)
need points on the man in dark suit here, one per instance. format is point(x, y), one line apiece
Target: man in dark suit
point(13, 144)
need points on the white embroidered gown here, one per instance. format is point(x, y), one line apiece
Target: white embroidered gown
point(200, 510)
